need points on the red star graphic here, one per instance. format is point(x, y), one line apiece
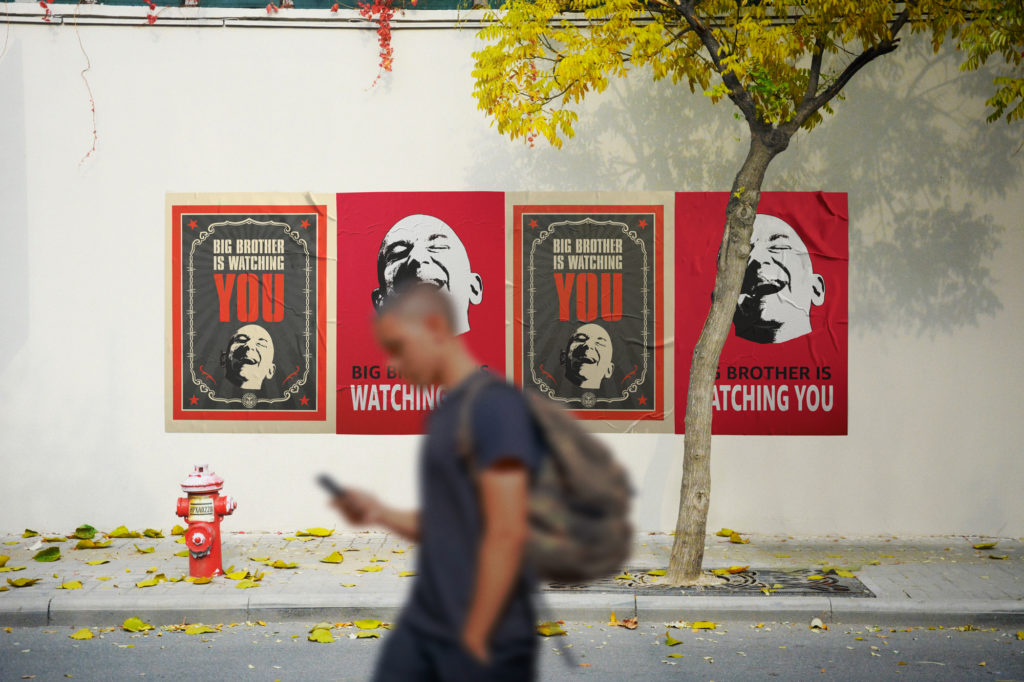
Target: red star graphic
point(303, 400)
point(193, 400)
point(533, 224)
point(193, 224)
point(642, 224)
point(304, 224)
point(642, 400)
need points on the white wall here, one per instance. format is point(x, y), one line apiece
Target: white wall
point(937, 249)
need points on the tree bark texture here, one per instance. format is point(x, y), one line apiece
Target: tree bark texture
point(691, 524)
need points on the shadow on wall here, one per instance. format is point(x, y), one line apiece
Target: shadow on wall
point(910, 145)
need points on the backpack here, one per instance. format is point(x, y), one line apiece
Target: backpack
point(579, 500)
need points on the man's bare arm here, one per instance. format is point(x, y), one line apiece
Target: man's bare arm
point(504, 495)
point(365, 509)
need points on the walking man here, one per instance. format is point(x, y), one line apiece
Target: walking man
point(470, 615)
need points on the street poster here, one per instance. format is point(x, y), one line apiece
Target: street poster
point(588, 306)
point(387, 240)
point(247, 313)
point(783, 369)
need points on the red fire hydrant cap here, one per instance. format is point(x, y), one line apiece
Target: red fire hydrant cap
point(202, 480)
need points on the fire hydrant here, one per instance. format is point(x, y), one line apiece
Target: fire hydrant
point(203, 509)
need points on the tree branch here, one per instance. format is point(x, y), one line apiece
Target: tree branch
point(810, 105)
point(737, 93)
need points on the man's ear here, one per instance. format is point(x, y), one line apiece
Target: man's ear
point(377, 296)
point(270, 372)
point(817, 289)
point(476, 288)
point(608, 372)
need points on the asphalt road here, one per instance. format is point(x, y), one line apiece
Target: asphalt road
point(733, 651)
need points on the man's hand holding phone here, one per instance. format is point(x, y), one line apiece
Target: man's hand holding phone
point(359, 507)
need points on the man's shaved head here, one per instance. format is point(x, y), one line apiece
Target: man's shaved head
point(419, 301)
point(416, 328)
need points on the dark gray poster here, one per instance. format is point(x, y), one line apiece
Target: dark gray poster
point(248, 312)
point(590, 336)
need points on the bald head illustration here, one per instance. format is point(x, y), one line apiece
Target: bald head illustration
point(249, 358)
point(779, 287)
point(422, 248)
point(588, 356)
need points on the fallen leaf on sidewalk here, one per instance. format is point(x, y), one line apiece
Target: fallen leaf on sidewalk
point(998, 556)
point(365, 634)
point(842, 573)
point(29, 533)
point(398, 551)
point(282, 564)
point(48, 554)
point(97, 562)
point(321, 635)
point(261, 559)
point(703, 625)
point(737, 539)
point(92, 544)
point(198, 629)
point(1020, 634)
point(55, 539)
point(623, 576)
point(123, 532)
point(8, 569)
point(84, 633)
point(671, 641)
point(178, 530)
point(104, 578)
point(23, 582)
point(145, 550)
point(628, 623)
point(550, 629)
point(183, 553)
point(725, 532)
point(246, 584)
point(406, 574)
point(657, 572)
point(348, 584)
point(134, 624)
point(153, 533)
point(333, 558)
point(3, 560)
point(152, 582)
point(815, 577)
point(370, 569)
point(70, 585)
point(236, 575)
point(367, 624)
point(198, 581)
point(315, 532)
point(985, 545)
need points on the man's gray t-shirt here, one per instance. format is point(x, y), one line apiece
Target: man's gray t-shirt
point(451, 520)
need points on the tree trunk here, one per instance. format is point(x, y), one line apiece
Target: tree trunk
point(691, 524)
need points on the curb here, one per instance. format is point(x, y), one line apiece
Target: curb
point(164, 609)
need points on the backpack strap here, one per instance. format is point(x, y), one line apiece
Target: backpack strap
point(464, 441)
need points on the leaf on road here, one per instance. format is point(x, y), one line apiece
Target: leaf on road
point(198, 581)
point(703, 625)
point(985, 545)
point(676, 655)
point(725, 533)
point(657, 571)
point(237, 575)
point(398, 551)
point(670, 640)
point(84, 633)
point(370, 569)
point(23, 582)
point(92, 544)
point(123, 532)
point(628, 623)
point(151, 582)
point(153, 533)
point(8, 569)
point(178, 530)
point(551, 629)
point(182, 553)
point(84, 532)
point(368, 624)
point(145, 550)
point(48, 554)
point(56, 538)
point(998, 556)
point(406, 574)
point(3, 560)
point(29, 533)
point(104, 578)
point(333, 558)
point(367, 634)
point(246, 584)
point(260, 559)
point(737, 569)
point(97, 562)
point(198, 629)
point(348, 584)
point(377, 558)
point(321, 635)
point(737, 539)
point(70, 585)
point(282, 564)
point(134, 624)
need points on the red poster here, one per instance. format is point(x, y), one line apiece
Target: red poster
point(783, 369)
point(453, 239)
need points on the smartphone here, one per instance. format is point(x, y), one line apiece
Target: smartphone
point(330, 485)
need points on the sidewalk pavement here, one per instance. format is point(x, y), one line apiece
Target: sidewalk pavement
point(917, 581)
